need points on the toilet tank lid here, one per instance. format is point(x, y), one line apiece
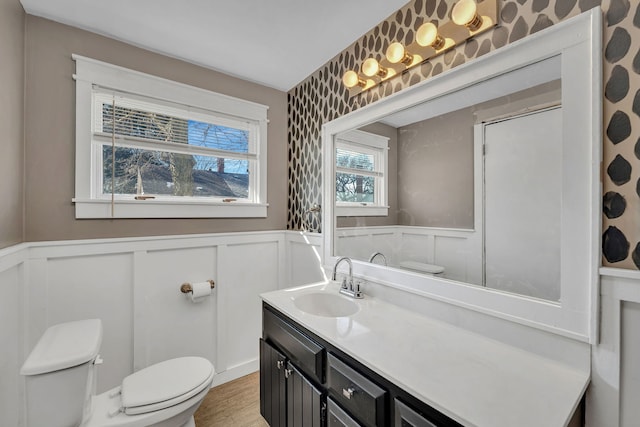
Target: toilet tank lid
point(63, 346)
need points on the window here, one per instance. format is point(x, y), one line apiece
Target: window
point(361, 174)
point(147, 147)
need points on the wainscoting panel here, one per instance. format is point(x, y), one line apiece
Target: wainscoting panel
point(614, 393)
point(455, 253)
point(173, 325)
point(251, 269)
point(304, 258)
point(11, 334)
point(96, 286)
point(629, 364)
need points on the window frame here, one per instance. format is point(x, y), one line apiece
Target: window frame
point(88, 199)
point(368, 143)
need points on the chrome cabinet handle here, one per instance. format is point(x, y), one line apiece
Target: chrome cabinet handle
point(348, 393)
point(279, 364)
point(287, 373)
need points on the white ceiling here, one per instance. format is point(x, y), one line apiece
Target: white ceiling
point(277, 43)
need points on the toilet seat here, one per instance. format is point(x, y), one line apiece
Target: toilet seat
point(165, 384)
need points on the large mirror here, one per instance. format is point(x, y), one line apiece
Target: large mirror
point(510, 146)
point(485, 176)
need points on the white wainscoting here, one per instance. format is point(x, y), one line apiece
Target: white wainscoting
point(12, 279)
point(612, 399)
point(132, 284)
point(457, 250)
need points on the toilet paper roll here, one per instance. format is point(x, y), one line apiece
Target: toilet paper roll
point(201, 291)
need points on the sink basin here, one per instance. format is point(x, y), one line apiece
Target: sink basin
point(326, 305)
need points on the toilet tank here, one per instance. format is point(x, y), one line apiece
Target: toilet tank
point(60, 374)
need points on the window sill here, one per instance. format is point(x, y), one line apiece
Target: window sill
point(362, 210)
point(94, 208)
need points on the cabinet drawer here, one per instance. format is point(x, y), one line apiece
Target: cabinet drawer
point(337, 417)
point(407, 417)
point(300, 349)
point(359, 395)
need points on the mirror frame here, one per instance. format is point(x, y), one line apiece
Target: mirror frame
point(578, 44)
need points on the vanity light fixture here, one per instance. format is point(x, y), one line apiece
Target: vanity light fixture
point(352, 79)
point(465, 13)
point(427, 35)
point(372, 68)
point(467, 19)
point(397, 54)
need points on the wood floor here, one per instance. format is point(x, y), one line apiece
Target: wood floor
point(234, 404)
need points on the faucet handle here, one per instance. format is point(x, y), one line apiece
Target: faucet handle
point(344, 283)
point(356, 290)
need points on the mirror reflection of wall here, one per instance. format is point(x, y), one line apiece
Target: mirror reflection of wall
point(434, 225)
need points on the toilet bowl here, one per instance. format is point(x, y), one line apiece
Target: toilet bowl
point(60, 385)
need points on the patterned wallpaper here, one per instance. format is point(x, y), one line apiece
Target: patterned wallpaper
point(321, 98)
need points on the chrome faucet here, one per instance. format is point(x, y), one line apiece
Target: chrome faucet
point(347, 288)
point(378, 254)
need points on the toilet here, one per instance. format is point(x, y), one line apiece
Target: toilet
point(60, 375)
point(423, 267)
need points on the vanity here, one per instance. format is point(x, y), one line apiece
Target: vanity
point(500, 333)
point(384, 365)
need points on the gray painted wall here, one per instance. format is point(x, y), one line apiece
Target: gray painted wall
point(435, 163)
point(50, 136)
point(12, 19)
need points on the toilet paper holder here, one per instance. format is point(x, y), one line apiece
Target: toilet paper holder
point(185, 288)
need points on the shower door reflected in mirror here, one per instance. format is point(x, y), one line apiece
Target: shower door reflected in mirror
point(523, 203)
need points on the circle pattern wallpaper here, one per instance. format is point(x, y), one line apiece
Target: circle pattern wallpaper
point(322, 97)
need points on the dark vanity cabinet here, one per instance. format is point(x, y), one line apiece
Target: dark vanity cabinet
point(307, 382)
point(273, 385)
point(287, 397)
point(291, 366)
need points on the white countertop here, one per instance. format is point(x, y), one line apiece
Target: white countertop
point(475, 380)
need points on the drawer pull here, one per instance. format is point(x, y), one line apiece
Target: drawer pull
point(287, 373)
point(280, 364)
point(348, 393)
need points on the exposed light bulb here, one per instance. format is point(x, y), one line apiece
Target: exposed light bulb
point(371, 67)
point(397, 53)
point(427, 35)
point(352, 79)
point(465, 13)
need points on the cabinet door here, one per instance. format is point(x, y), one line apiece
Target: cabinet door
point(407, 417)
point(337, 417)
point(304, 401)
point(273, 385)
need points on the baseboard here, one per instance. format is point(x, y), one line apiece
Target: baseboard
point(236, 372)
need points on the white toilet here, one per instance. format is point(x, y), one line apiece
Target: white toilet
point(423, 267)
point(60, 385)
